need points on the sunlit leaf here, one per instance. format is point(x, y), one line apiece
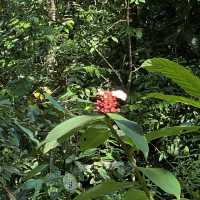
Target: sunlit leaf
point(170, 131)
point(174, 99)
point(65, 130)
point(179, 74)
point(163, 179)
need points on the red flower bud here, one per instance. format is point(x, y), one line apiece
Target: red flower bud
point(106, 103)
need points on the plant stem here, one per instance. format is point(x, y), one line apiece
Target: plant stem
point(113, 69)
point(51, 162)
point(131, 156)
point(130, 62)
point(108, 63)
point(9, 193)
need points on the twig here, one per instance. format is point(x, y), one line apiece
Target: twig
point(9, 193)
point(51, 162)
point(117, 22)
point(107, 62)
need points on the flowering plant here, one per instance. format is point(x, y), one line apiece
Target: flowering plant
point(107, 107)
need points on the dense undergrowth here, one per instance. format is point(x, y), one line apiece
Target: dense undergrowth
point(55, 55)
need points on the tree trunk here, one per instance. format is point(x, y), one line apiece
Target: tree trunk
point(51, 7)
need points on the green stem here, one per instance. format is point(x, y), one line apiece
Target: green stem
point(131, 156)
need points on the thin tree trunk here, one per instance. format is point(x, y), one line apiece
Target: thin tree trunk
point(130, 57)
point(51, 6)
point(51, 61)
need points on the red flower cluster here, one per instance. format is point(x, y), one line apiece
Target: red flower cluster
point(106, 103)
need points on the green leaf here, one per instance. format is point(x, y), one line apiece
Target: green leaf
point(65, 130)
point(21, 87)
point(103, 189)
point(133, 131)
point(137, 2)
point(137, 194)
point(37, 170)
point(55, 104)
point(28, 132)
point(163, 179)
point(70, 183)
point(93, 137)
point(50, 38)
point(114, 39)
point(70, 24)
point(170, 131)
point(33, 184)
point(174, 99)
point(5, 102)
point(180, 75)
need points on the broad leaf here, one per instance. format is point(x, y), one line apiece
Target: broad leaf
point(103, 189)
point(93, 137)
point(70, 183)
point(176, 130)
point(65, 130)
point(34, 172)
point(28, 132)
point(33, 184)
point(179, 74)
point(137, 194)
point(133, 131)
point(4, 102)
point(163, 179)
point(174, 99)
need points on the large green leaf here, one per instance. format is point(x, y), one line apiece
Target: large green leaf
point(103, 189)
point(133, 131)
point(93, 137)
point(174, 99)
point(163, 179)
point(65, 130)
point(179, 74)
point(136, 195)
point(170, 131)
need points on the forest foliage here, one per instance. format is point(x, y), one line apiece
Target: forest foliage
point(55, 57)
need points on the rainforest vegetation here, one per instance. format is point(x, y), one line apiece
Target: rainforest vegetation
point(99, 99)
